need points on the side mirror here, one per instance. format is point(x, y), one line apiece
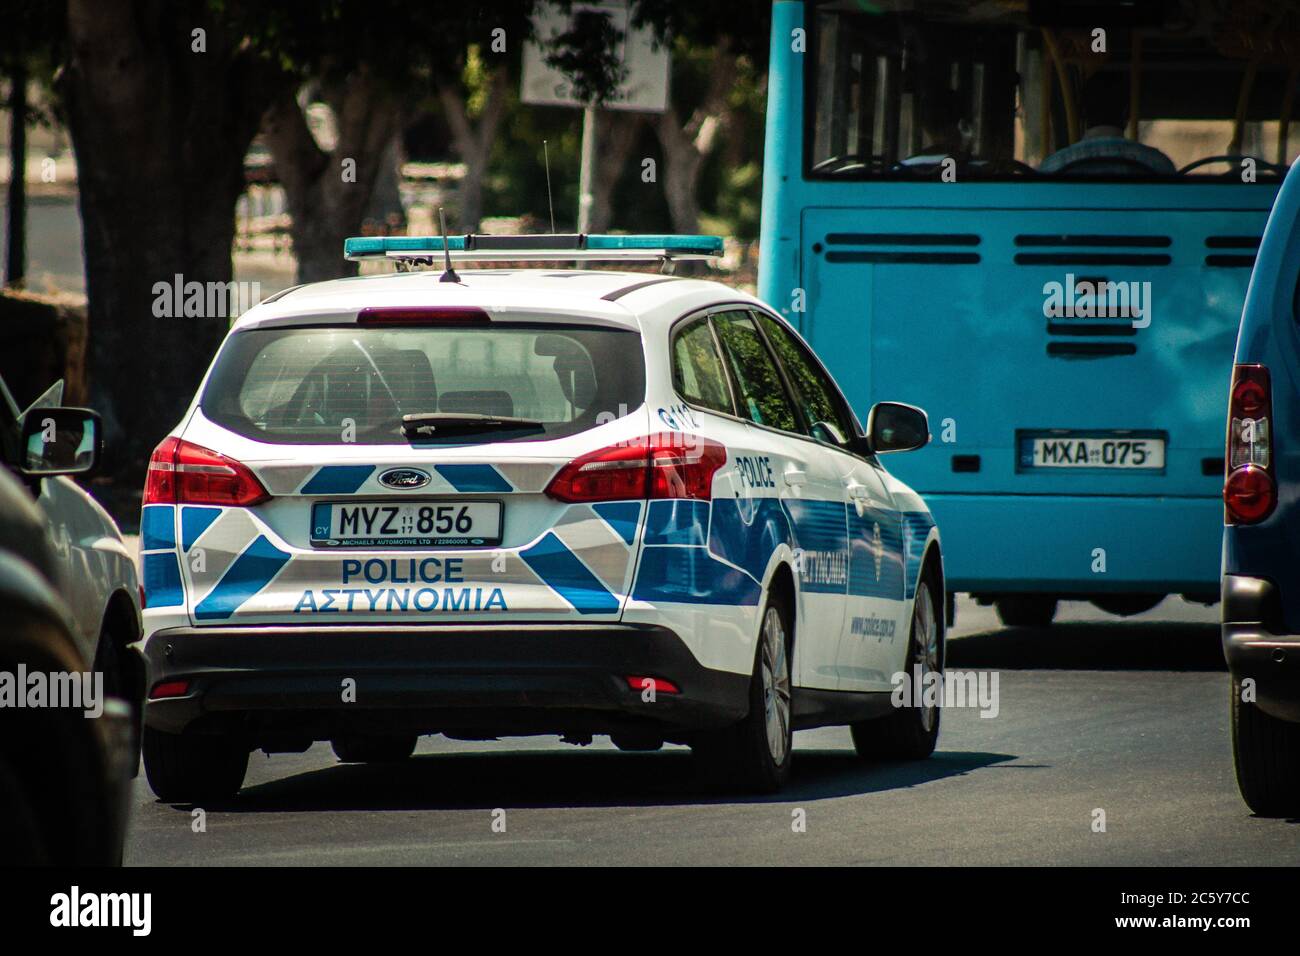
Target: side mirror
point(893, 426)
point(60, 441)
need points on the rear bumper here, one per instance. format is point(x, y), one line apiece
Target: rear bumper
point(287, 682)
point(1010, 543)
point(1257, 647)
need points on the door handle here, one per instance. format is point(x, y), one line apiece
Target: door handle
point(795, 477)
point(858, 492)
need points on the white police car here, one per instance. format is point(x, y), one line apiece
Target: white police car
point(528, 501)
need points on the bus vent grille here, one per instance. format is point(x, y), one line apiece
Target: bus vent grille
point(1239, 260)
point(909, 256)
point(1077, 250)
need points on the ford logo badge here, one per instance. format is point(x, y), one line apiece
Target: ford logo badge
point(404, 479)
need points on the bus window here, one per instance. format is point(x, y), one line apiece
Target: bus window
point(905, 89)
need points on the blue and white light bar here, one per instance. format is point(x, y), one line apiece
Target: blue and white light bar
point(537, 248)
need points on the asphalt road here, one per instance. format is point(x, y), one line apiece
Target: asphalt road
point(1127, 717)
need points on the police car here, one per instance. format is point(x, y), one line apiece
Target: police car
point(529, 501)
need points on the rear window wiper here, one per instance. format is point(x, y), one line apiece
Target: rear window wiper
point(431, 423)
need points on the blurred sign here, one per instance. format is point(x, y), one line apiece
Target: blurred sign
point(645, 83)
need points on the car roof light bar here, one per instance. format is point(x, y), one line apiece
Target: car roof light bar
point(535, 248)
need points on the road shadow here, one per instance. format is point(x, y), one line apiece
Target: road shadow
point(556, 779)
point(1106, 645)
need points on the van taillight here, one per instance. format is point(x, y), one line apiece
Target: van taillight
point(1249, 491)
point(666, 465)
point(181, 472)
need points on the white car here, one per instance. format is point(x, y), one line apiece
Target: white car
point(529, 501)
point(69, 615)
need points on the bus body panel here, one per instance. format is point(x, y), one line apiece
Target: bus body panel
point(1079, 544)
point(961, 331)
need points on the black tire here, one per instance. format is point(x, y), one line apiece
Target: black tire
point(117, 683)
point(374, 749)
point(1027, 610)
point(193, 768)
point(740, 756)
point(637, 742)
point(21, 835)
point(1126, 605)
point(909, 733)
point(1266, 756)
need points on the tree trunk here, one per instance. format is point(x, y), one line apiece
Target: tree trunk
point(16, 208)
point(160, 133)
point(618, 133)
point(681, 174)
point(328, 194)
point(687, 145)
point(473, 142)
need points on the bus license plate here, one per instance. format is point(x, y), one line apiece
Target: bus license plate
point(407, 524)
point(1119, 452)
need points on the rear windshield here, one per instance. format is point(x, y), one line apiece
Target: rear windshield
point(354, 385)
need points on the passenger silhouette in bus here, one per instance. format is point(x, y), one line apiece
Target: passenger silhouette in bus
point(941, 126)
point(1104, 150)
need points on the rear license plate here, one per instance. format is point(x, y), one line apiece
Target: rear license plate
point(406, 524)
point(1106, 451)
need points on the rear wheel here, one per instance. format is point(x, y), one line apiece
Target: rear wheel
point(910, 733)
point(374, 749)
point(193, 768)
point(1126, 605)
point(1027, 610)
point(1266, 755)
point(21, 834)
point(755, 753)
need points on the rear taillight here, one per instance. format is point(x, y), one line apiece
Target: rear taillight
point(181, 472)
point(656, 684)
point(170, 688)
point(666, 465)
point(1249, 490)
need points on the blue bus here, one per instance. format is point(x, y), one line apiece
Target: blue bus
point(1037, 221)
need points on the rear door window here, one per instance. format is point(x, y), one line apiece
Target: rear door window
point(762, 394)
point(698, 374)
point(340, 385)
point(814, 391)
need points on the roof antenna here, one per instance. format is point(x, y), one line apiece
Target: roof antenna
point(546, 155)
point(449, 275)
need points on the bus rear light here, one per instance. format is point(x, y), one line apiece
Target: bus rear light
point(1249, 490)
point(181, 472)
point(666, 465)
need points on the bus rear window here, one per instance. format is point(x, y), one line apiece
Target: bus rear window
point(1020, 92)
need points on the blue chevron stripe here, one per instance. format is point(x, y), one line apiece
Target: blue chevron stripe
point(567, 576)
point(252, 571)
